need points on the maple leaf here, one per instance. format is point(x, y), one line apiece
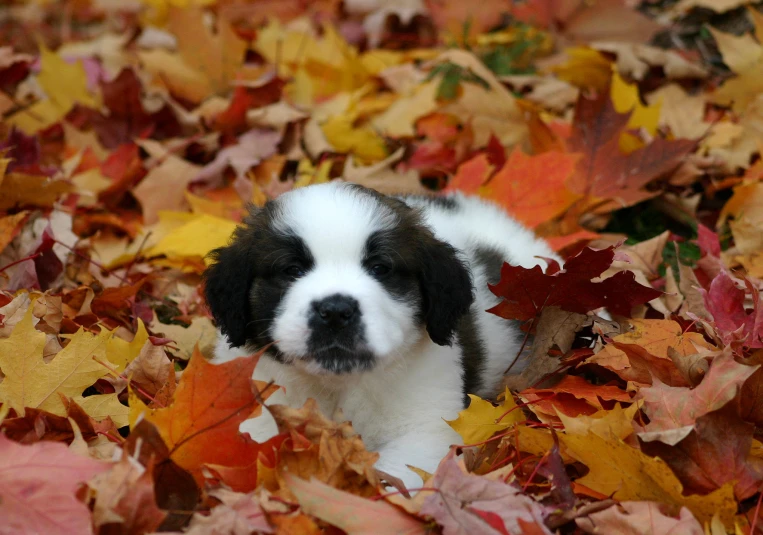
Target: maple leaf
point(201, 425)
point(641, 518)
point(38, 485)
point(625, 473)
point(64, 84)
point(673, 411)
point(644, 351)
point(19, 190)
point(716, 452)
point(572, 396)
point(726, 303)
point(217, 56)
point(127, 118)
point(349, 512)
point(237, 513)
point(332, 452)
point(31, 382)
point(608, 177)
point(482, 419)
point(124, 495)
point(463, 501)
point(526, 292)
point(532, 188)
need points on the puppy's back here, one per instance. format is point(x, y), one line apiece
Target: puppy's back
point(487, 237)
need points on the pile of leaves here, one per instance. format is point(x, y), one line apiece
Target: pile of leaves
point(628, 134)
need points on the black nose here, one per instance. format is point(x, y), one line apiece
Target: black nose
point(336, 311)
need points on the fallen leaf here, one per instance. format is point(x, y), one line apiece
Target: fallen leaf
point(482, 419)
point(64, 85)
point(38, 488)
point(625, 473)
point(201, 425)
point(350, 513)
point(526, 292)
point(31, 382)
point(532, 188)
point(673, 411)
point(640, 518)
point(465, 503)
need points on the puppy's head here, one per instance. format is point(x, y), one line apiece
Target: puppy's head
point(339, 278)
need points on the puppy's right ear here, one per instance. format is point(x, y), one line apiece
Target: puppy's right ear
point(227, 285)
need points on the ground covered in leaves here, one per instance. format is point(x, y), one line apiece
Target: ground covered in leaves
point(628, 134)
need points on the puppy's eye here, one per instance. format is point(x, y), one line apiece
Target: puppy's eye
point(294, 271)
point(379, 270)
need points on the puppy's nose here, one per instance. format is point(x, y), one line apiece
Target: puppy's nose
point(336, 311)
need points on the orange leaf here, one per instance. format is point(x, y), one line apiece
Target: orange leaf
point(201, 426)
point(471, 175)
point(532, 188)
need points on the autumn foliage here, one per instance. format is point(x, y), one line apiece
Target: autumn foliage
point(627, 134)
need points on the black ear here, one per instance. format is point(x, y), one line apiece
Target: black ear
point(227, 285)
point(446, 286)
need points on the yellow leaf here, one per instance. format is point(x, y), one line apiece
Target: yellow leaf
point(121, 352)
point(744, 56)
point(480, 421)
point(65, 85)
point(170, 71)
point(20, 189)
point(323, 66)
point(625, 473)
point(585, 67)
point(400, 118)
point(606, 424)
point(30, 382)
point(104, 405)
point(625, 98)
point(194, 239)
point(362, 141)
point(739, 52)
point(217, 55)
point(158, 10)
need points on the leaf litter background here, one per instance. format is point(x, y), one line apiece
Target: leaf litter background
point(628, 134)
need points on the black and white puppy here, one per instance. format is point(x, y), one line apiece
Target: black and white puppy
point(374, 305)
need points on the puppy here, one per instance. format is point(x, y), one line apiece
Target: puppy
point(374, 305)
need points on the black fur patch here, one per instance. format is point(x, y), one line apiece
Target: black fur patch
point(473, 356)
point(491, 261)
point(440, 201)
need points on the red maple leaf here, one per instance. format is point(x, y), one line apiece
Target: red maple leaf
point(526, 292)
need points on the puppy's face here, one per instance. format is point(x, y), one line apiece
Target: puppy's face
point(338, 278)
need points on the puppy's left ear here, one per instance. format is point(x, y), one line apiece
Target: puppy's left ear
point(446, 286)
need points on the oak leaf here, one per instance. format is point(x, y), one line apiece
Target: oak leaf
point(38, 485)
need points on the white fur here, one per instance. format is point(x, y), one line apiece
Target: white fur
point(398, 407)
